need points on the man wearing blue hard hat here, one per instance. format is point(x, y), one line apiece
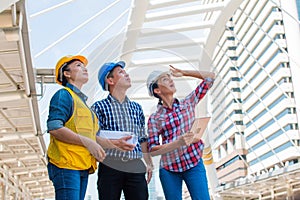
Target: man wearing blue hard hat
point(105, 70)
point(123, 168)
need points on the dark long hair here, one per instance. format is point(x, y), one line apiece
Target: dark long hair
point(154, 86)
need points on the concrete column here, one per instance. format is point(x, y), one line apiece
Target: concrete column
point(210, 167)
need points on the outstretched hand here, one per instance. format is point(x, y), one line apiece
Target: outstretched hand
point(176, 72)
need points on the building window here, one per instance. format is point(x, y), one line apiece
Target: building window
point(238, 112)
point(252, 135)
point(236, 89)
point(274, 135)
point(269, 92)
point(291, 94)
point(298, 8)
point(266, 125)
point(277, 101)
point(235, 79)
point(233, 58)
point(279, 22)
point(261, 114)
point(237, 100)
point(258, 145)
point(282, 114)
point(239, 122)
point(253, 106)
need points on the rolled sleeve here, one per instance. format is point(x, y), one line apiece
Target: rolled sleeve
point(153, 138)
point(54, 124)
point(209, 82)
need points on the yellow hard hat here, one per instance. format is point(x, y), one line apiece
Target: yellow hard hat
point(65, 60)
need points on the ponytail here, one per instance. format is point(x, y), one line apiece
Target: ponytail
point(155, 85)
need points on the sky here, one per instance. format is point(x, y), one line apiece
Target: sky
point(69, 27)
point(60, 27)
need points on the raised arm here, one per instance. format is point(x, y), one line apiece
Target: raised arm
point(192, 73)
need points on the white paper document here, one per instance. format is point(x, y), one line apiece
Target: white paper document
point(118, 135)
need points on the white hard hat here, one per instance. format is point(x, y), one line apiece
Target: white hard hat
point(152, 78)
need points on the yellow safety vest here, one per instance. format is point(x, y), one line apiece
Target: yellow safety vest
point(70, 156)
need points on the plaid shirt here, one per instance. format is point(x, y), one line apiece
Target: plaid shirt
point(126, 116)
point(170, 124)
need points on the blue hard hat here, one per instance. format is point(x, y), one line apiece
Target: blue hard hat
point(104, 71)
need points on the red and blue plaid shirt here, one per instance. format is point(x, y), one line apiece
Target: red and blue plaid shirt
point(171, 123)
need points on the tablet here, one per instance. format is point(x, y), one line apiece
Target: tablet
point(200, 125)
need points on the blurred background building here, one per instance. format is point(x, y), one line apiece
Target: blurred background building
point(252, 141)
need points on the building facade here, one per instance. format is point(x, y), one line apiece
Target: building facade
point(255, 97)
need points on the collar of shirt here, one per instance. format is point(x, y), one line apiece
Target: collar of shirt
point(77, 91)
point(113, 99)
point(176, 103)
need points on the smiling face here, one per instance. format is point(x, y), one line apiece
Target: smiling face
point(76, 73)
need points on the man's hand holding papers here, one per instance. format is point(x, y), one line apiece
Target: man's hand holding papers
point(124, 141)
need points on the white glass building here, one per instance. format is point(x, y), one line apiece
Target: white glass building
point(256, 96)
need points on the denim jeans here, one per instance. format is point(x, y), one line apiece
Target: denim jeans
point(194, 178)
point(68, 184)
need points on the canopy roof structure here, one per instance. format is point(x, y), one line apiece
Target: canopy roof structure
point(157, 33)
point(22, 147)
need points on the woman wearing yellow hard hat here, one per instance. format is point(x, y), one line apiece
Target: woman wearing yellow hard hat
point(73, 150)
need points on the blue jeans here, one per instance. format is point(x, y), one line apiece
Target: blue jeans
point(68, 184)
point(194, 178)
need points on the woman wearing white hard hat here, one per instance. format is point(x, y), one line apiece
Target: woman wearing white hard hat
point(180, 151)
point(73, 150)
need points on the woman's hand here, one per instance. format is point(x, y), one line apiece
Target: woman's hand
point(176, 72)
point(192, 73)
point(197, 138)
point(186, 139)
point(149, 172)
point(93, 147)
